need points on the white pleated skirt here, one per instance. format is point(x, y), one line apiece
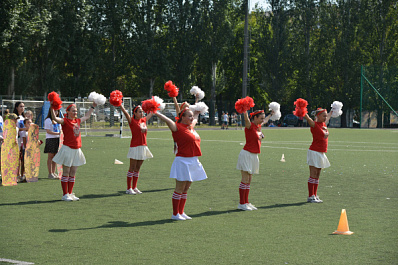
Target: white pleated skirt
point(317, 159)
point(139, 153)
point(187, 169)
point(69, 157)
point(248, 162)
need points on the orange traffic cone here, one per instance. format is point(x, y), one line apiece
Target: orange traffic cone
point(343, 228)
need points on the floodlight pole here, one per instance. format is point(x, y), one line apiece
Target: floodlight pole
point(245, 50)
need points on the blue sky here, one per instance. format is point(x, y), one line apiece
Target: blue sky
point(253, 3)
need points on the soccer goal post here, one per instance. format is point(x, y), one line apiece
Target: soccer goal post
point(379, 97)
point(106, 120)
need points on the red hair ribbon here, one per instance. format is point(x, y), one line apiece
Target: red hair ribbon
point(319, 111)
point(70, 106)
point(256, 112)
point(181, 113)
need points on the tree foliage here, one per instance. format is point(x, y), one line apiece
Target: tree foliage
point(310, 49)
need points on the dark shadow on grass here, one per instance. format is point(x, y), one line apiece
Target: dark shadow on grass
point(116, 224)
point(88, 196)
point(28, 203)
point(96, 196)
point(281, 205)
point(159, 190)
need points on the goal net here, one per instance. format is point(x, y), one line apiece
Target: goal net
point(106, 120)
point(379, 97)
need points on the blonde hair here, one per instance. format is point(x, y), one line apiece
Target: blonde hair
point(29, 113)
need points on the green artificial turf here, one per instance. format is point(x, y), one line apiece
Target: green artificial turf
point(109, 227)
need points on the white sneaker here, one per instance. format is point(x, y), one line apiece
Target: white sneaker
point(252, 206)
point(131, 191)
point(319, 200)
point(67, 198)
point(244, 207)
point(137, 191)
point(184, 215)
point(52, 176)
point(177, 217)
point(313, 199)
point(73, 197)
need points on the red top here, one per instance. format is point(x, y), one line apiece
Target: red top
point(319, 137)
point(138, 137)
point(253, 139)
point(188, 141)
point(72, 137)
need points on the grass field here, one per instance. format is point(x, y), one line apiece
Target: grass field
point(109, 227)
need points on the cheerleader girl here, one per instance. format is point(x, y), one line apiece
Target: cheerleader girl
point(316, 155)
point(139, 150)
point(70, 155)
point(186, 167)
point(53, 132)
point(248, 162)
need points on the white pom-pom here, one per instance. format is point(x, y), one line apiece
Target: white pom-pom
point(98, 99)
point(201, 95)
point(93, 96)
point(160, 101)
point(201, 107)
point(336, 109)
point(195, 90)
point(275, 106)
point(276, 116)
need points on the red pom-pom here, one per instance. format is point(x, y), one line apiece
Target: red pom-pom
point(56, 102)
point(250, 102)
point(244, 104)
point(171, 88)
point(301, 107)
point(300, 112)
point(174, 92)
point(301, 103)
point(150, 105)
point(116, 98)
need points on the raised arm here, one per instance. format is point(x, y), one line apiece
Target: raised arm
point(309, 120)
point(149, 116)
point(328, 117)
point(268, 117)
point(126, 114)
point(171, 124)
point(247, 120)
point(56, 119)
point(195, 118)
point(176, 105)
point(88, 113)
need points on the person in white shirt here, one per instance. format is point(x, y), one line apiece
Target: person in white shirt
point(224, 118)
point(53, 132)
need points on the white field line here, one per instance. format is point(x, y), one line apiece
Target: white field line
point(300, 142)
point(15, 261)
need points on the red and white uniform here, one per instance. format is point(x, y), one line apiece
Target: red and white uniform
point(138, 131)
point(320, 136)
point(188, 141)
point(138, 146)
point(248, 158)
point(186, 165)
point(70, 153)
point(72, 136)
point(316, 155)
